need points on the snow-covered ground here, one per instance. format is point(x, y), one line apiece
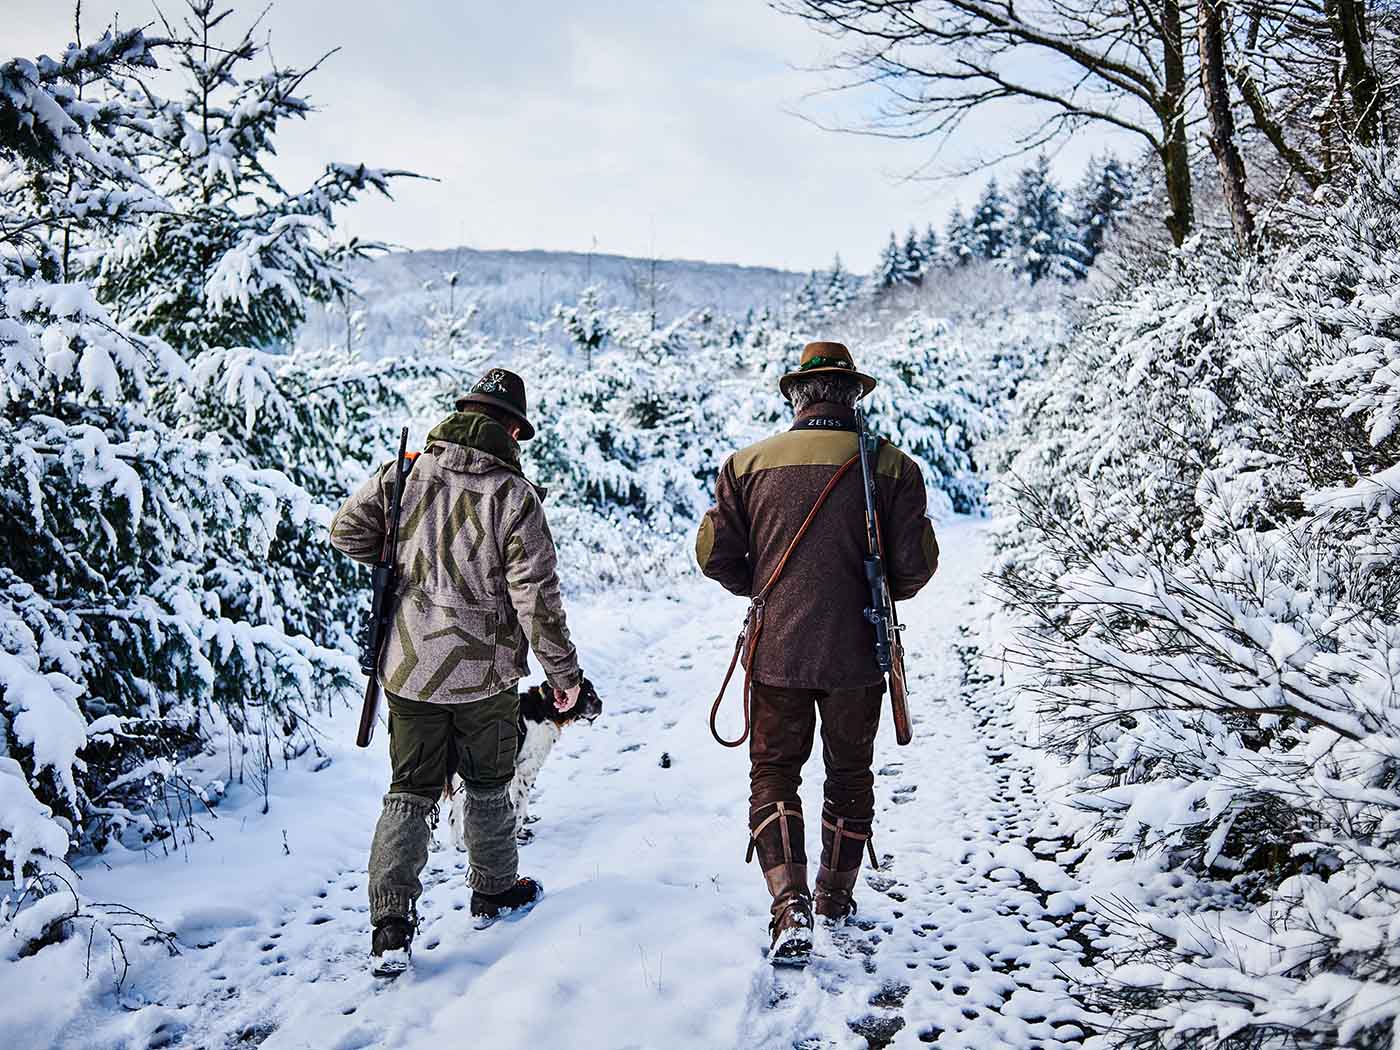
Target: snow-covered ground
point(652, 931)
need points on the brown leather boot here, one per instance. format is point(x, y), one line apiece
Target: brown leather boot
point(843, 842)
point(776, 836)
point(791, 925)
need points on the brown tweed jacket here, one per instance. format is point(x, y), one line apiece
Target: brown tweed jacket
point(477, 568)
point(815, 634)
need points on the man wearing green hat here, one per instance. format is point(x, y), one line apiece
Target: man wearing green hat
point(477, 579)
point(815, 653)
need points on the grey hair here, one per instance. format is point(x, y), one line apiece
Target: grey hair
point(811, 390)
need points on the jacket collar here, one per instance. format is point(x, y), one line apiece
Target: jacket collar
point(825, 415)
point(474, 430)
point(474, 443)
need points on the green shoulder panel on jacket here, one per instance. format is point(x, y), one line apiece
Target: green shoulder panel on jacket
point(891, 461)
point(806, 448)
point(705, 541)
point(796, 448)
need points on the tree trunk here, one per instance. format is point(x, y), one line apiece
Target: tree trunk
point(1174, 153)
point(1267, 123)
point(1210, 36)
point(1348, 21)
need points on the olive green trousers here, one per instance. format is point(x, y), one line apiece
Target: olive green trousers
point(427, 744)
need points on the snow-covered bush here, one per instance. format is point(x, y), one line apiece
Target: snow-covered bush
point(941, 398)
point(1202, 537)
point(133, 604)
point(638, 429)
point(165, 581)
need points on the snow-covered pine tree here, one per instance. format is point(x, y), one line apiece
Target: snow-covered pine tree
point(587, 323)
point(630, 444)
point(840, 288)
point(808, 303)
point(739, 330)
point(60, 150)
point(447, 324)
point(958, 241)
point(931, 403)
point(889, 271)
point(931, 247)
point(1041, 242)
point(223, 271)
point(233, 258)
point(1103, 192)
point(989, 223)
point(913, 260)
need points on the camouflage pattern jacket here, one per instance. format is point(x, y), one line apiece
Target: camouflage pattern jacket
point(476, 567)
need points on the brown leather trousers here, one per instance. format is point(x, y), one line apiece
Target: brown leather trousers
point(784, 728)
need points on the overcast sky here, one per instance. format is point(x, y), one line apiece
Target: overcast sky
point(654, 127)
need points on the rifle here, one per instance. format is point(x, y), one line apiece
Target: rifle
point(889, 649)
point(381, 611)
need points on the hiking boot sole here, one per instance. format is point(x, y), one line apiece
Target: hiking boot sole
point(795, 955)
point(506, 915)
point(793, 948)
point(390, 964)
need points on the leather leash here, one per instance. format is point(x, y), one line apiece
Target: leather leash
point(753, 620)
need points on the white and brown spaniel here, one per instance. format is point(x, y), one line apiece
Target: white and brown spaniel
point(540, 726)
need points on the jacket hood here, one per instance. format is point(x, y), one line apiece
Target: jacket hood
point(473, 430)
point(474, 444)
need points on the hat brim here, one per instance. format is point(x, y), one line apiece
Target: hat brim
point(867, 383)
point(527, 429)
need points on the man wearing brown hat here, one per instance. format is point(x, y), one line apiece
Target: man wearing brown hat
point(815, 653)
point(477, 570)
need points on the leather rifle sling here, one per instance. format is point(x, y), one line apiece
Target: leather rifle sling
point(753, 622)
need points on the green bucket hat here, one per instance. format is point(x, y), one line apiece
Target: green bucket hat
point(818, 358)
point(502, 389)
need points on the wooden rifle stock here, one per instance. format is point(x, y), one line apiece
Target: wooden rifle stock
point(889, 647)
point(899, 697)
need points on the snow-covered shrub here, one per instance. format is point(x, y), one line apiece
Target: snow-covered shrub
point(1203, 541)
point(139, 618)
point(640, 430)
point(134, 607)
point(937, 400)
point(1134, 405)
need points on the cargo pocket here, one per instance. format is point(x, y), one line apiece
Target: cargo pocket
point(490, 742)
point(507, 744)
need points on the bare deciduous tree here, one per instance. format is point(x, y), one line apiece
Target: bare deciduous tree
point(1116, 62)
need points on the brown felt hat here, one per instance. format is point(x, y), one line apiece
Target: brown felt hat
point(818, 358)
point(500, 389)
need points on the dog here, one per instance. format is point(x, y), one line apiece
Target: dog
point(539, 727)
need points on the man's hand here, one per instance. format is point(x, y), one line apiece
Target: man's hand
point(566, 698)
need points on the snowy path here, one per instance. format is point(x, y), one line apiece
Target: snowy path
point(652, 931)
